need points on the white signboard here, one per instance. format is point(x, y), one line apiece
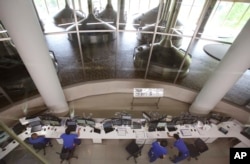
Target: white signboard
point(148, 92)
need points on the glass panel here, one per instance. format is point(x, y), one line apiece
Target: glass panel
point(128, 63)
point(189, 14)
point(104, 52)
point(240, 92)
point(15, 82)
point(68, 58)
point(201, 66)
point(214, 26)
point(3, 101)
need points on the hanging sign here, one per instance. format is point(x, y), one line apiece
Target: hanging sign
point(148, 92)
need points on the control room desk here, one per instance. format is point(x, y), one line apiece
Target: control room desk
point(208, 133)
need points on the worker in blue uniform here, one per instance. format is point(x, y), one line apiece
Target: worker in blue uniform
point(158, 150)
point(69, 139)
point(35, 138)
point(182, 148)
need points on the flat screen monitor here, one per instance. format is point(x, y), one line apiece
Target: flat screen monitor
point(71, 123)
point(246, 132)
point(90, 122)
point(146, 116)
point(117, 122)
point(127, 117)
point(108, 124)
point(126, 122)
point(35, 123)
point(81, 121)
point(171, 127)
point(45, 122)
point(161, 124)
point(55, 123)
point(36, 128)
point(18, 128)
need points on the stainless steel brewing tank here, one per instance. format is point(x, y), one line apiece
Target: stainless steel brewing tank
point(92, 23)
point(165, 61)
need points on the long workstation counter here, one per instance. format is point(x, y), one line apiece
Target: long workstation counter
point(208, 132)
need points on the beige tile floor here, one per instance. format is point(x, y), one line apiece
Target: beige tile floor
point(113, 152)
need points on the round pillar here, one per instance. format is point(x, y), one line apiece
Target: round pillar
point(230, 69)
point(21, 22)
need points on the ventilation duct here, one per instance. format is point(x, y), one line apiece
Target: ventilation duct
point(165, 59)
point(65, 17)
point(91, 23)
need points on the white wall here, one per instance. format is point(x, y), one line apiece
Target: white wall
point(83, 96)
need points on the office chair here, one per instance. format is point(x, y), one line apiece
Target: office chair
point(193, 152)
point(67, 154)
point(134, 150)
point(41, 146)
point(195, 149)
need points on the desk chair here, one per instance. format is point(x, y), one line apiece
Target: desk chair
point(134, 150)
point(193, 152)
point(41, 146)
point(67, 154)
point(197, 148)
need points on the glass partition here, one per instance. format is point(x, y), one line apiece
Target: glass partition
point(147, 39)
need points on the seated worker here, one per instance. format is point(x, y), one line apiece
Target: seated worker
point(182, 148)
point(158, 150)
point(69, 139)
point(35, 138)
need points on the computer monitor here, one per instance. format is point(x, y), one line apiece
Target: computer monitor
point(146, 116)
point(18, 128)
point(107, 124)
point(127, 117)
point(136, 125)
point(55, 123)
point(45, 122)
point(161, 124)
point(71, 125)
point(117, 121)
point(90, 122)
point(246, 132)
point(126, 122)
point(35, 123)
point(171, 127)
point(36, 128)
point(81, 122)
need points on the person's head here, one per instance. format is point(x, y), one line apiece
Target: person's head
point(34, 135)
point(67, 131)
point(176, 136)
point(164, 143)
point(161, 156)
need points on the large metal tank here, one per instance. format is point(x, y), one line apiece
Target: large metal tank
point(65, 17)
point(108, 15)
point(144, 37)
point(92, 24)
point(166, 59)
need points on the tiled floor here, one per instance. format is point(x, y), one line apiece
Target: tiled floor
point(113, 152)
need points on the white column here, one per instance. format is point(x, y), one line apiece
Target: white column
point(20, 20)
point(230, 69)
